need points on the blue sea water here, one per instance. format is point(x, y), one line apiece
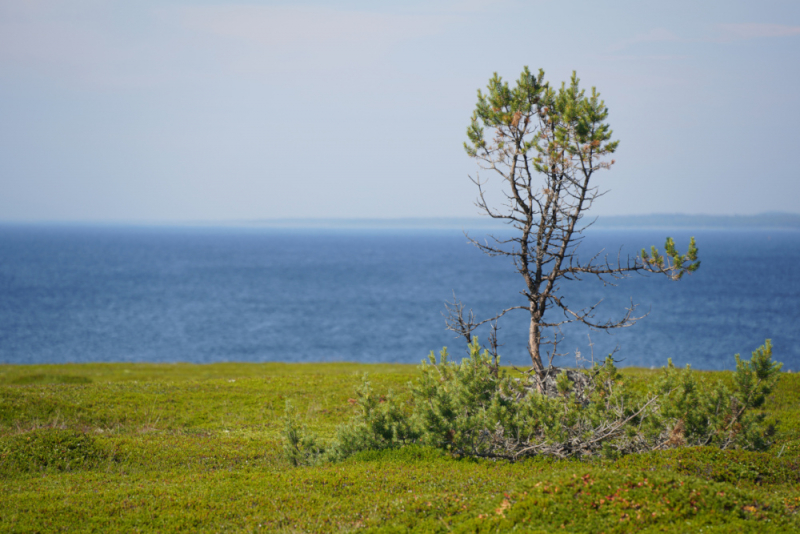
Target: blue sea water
point(137, 294)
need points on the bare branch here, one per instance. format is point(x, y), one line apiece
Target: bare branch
point(464, 324)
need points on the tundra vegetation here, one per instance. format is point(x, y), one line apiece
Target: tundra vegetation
point(164, 448)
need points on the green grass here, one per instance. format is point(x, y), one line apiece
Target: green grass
point(160, 448)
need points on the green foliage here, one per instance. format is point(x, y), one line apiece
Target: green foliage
point(462, 406)
point(563, 383)
point(693, 409)
point(470, 409)
point(381, 422)
point(756, 379)
point(507, 110)
point(675, 264)
point(700, 413)
point(574, 123)
point(299, 447)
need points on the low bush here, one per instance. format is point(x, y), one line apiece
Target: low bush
point(474, 409)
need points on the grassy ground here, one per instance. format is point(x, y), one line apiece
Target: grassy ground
point(160, 448)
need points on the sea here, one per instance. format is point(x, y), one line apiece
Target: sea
point(82, 293)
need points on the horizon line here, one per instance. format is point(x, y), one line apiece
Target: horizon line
point(774, 219)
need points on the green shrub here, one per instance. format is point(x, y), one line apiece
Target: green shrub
point(381, 422)
point(474, 409)
point(299, 447)
point(699, 413)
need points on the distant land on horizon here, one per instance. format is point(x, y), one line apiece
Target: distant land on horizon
point(679, 220)
point(773, 220)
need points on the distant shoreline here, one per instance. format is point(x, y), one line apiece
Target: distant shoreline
point(677, 220)
point(789, 221)
point(775, 220)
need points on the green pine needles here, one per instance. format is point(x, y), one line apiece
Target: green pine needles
point(299, 446)
point(474, 409)
point(675, 262)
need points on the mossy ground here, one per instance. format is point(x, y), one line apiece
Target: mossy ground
point(160, 448)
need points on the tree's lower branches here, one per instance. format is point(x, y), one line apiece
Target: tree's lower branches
point(581, 438)
point(586, 314)
point(464, 323)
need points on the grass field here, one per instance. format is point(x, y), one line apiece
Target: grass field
point(162, 448)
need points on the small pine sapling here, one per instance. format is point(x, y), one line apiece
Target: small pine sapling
point(299, 447)
point(381, 422)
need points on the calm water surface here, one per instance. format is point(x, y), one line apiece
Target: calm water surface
point(91, 294)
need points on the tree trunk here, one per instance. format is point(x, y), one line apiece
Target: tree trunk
point(534, 339)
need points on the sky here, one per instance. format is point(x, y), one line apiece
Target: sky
point(164, 111)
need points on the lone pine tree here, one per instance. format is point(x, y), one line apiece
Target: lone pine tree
point(546, 145)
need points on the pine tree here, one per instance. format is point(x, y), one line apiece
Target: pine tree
point(546, 145)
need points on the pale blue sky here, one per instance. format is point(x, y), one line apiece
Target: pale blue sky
point(159, 111)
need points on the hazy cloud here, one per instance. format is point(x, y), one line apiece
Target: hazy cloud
point(735, 32)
